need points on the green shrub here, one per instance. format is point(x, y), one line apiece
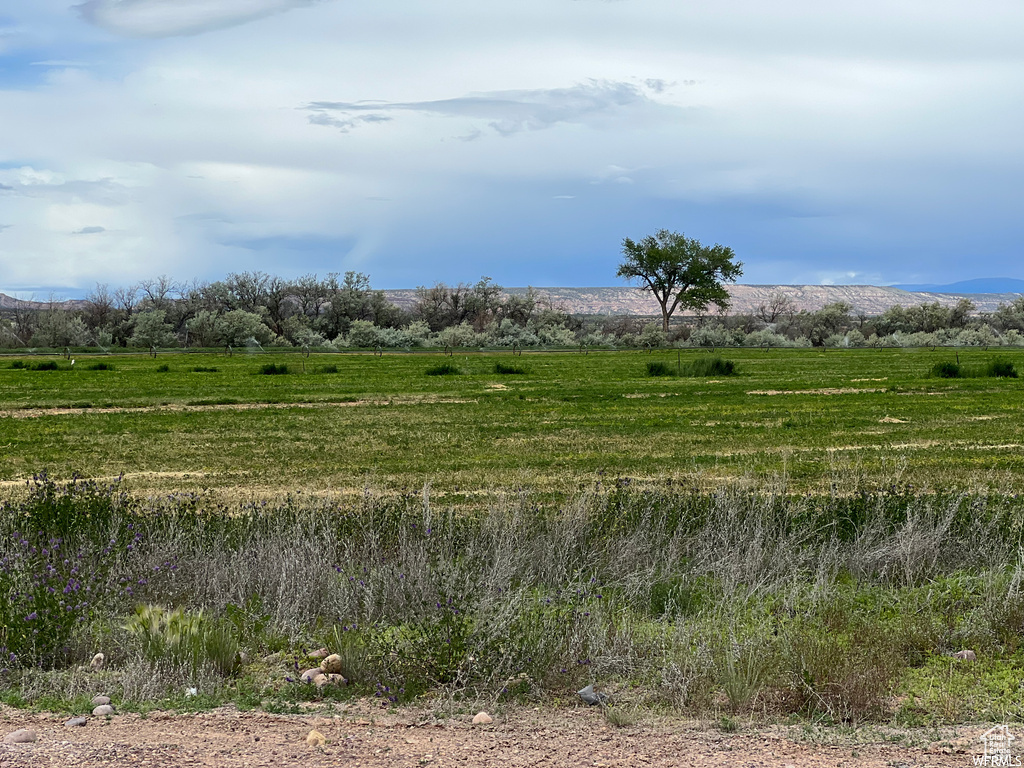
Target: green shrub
point(327, 369)
point(658, 368)
point(710, 366)
point(100, 367)
point(52, 573)
point(19, 365)
point(1001, 368)
point(444, 369)
point(49, 365)
point(183, 638)
point(947, 370)
point(164, 368)
point(204, 369)
point(509, 370)
point(273, 369)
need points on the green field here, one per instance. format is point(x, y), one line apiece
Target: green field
point(815, 536)
point(341, 422)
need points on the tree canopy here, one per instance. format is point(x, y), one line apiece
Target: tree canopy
point(680, 271)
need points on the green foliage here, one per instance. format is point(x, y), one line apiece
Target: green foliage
point(48, 365)
point(658, 368)
point(710, 366)
point(505, 369)
point(680, 271)
point(57, 547)
point(443, 369)
point(1001, 368)
point(947, 370)
point(204, 369)
point(99, 367)
point(163, 368)
point(327, 368)
point(183, 639)
point(274, 369)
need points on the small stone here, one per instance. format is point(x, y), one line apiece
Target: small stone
point(592, 697)
point(331, 665)
point(482, 718)
point(965, 655)
point(316, 739)
point(319, 653)
point(76, 722)
point(99, 701)
point(97, 662)
point(102, 710)
point(21, 736)
point(339, 680)
point(320, 680)
point(309, 674)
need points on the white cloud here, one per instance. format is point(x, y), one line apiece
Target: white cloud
point(167, 18)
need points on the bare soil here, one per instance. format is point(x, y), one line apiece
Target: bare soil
point(360, 735)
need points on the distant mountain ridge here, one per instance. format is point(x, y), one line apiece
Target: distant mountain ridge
point(978, 285)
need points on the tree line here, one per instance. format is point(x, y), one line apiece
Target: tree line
point(343, 310)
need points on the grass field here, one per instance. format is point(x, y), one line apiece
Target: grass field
point(814, 536)
point(337, 423)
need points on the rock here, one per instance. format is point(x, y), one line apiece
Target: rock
point(21, 736)
point(331, 665)
point(97, 662)
point(242, 658)
point(76, 722)
point(482, 718)
point(316, 739)
point(99, 701)
point(103, 710)
point(320, 653)
point(332, 679)
point(309, 674)
point(965, 655)
point(592, 697)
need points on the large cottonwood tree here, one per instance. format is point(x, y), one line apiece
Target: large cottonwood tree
point(680, 271)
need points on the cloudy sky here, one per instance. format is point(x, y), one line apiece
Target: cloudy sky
point(870, 142)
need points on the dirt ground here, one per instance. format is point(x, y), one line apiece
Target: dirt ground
point(359, 735)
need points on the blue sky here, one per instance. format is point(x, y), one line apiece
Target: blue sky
point(421, 142)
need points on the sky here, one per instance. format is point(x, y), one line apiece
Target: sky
point(417, 142)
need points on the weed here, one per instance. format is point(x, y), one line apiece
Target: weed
point(204, 369)
point(273, 369)
point(49, 365)
point(658, 368)
point(947, 370)
point(99, 367)
point(163, 368)
point(443, 369)
point(710, 366)
point(1001, 368)
point(509, 370)
point(327, 369)
point(18, 365)
point(621, 717)
point(728, 724)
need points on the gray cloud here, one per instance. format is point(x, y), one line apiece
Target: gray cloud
point(347, 124)
point(5, 187)
point(90, 231)
point(507, 112)
point(5, 226)
point(168, 18)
